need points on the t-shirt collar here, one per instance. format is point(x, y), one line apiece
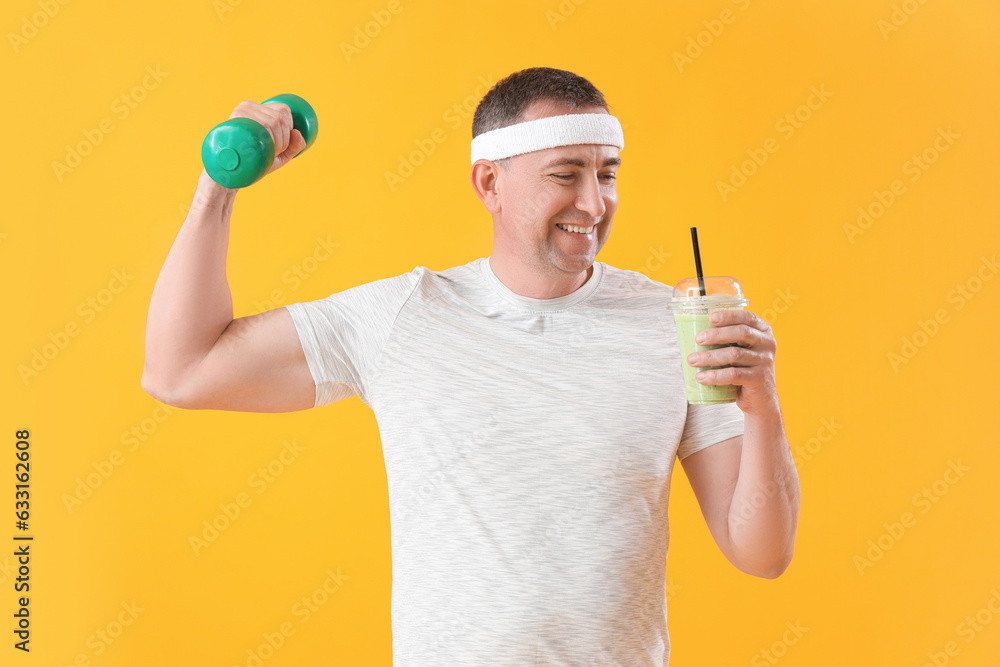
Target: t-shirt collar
point(530, 303)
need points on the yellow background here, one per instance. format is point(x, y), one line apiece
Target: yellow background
point(869, 434)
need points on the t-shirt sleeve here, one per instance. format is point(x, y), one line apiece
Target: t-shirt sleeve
point(707, 425)
point(343, 335)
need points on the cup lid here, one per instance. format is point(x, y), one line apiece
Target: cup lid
point(718, 290)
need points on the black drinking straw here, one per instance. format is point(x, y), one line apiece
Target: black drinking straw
point(697, 260)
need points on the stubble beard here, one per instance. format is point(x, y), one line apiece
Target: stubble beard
point(560, 263)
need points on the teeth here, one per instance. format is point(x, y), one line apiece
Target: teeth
point(578, 230)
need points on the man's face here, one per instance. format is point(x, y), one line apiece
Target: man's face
point(543, 192)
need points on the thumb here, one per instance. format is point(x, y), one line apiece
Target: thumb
point(296, 144)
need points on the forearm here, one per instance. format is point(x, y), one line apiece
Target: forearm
point(191, 304)
point(764, 511)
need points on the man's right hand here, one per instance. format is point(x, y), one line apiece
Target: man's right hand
point(277, 119)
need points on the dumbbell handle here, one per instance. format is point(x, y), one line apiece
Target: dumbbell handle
point(239, 151)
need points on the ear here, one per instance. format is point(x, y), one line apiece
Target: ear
point(485, 178)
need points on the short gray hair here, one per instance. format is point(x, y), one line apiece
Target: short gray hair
point(507, 100)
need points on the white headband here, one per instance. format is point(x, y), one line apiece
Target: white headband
point(535, 135)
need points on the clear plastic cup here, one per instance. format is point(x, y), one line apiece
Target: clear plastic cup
point(691, 311)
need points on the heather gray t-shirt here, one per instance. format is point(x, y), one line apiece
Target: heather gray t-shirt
point(528, 447)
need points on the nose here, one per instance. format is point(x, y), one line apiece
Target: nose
point(589, 198)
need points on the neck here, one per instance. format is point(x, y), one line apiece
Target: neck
point(527, 281)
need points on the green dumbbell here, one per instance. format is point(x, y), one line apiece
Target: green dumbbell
point(240, 151)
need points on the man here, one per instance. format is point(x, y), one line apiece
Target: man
point(530, 404)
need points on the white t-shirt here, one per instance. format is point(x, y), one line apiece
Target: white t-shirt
point(528, 448)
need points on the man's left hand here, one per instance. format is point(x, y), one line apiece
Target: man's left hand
point(750, 361)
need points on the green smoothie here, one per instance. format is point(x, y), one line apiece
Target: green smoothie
point(694, 299)
point(688, 326)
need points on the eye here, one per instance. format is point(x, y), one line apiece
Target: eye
point(566, 177)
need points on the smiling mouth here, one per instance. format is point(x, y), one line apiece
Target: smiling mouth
point(578, 230)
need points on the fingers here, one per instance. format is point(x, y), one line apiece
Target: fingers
point(748, 355)
point(731, 375)
point(722, 318)
point(281, 128)
point(276, 119)
point(729, 356)
point(296, 145)
point(739, 327)
point(747, 361)
point(739, 334)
